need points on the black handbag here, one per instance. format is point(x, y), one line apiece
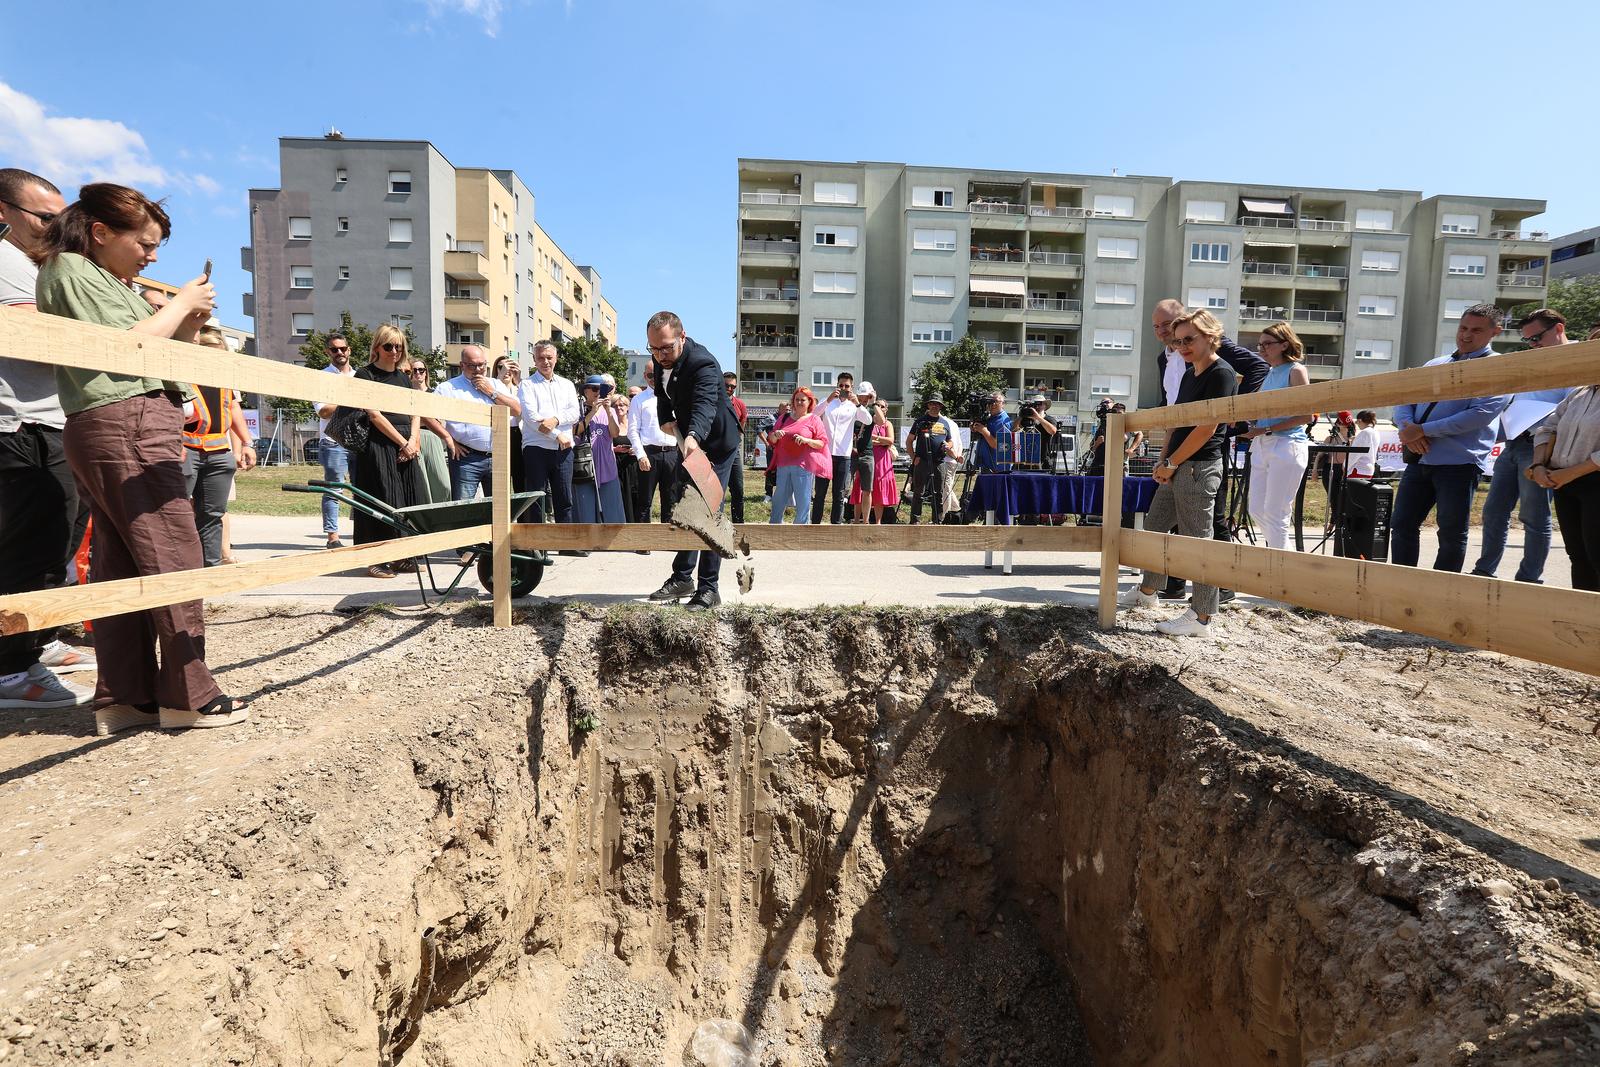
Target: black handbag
point(583, 462)
point(351, 428)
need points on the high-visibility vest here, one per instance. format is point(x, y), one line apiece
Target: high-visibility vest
point(213, 415)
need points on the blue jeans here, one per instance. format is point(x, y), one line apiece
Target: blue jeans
point(1507, 487)
point(1450, 487)
point(792, 485)
point(335, 468)
point(469, 472)
point(550, 470)
point(683, 564)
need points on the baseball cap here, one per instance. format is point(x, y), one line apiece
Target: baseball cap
point(866, 389)
point(1038, 398)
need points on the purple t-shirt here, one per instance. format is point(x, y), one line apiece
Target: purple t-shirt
point(605, 460)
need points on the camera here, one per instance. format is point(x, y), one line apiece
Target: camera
point(977, 406)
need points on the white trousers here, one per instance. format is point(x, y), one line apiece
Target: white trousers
point(1276, 466)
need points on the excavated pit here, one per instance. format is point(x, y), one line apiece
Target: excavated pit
point(889, 838)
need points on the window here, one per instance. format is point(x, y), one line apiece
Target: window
point(936, 240)
point(404, 323)
point(935, 332)
point(399, 231)
point(1119, 340)
point(1112, 207)
point(932, 196)
point(555, 305)
point(1453, 309)
point(299, 228)
point(344, 274)
point(933, 285)
point(842, 236)
point(344, 224)
point(1117, 248)
point(1376, 305)
point(834, 193)
point(303, 324)
point(399, 181)
point(1467, 224)
point(1214, 299)
point(400, 279)
point(1208, 252)
point(1371, 218)
point(341, 176)
point(1385, 261)
point(1111, 385)
point(825, 375)
point(1114, 293)
point(1473, 265)
point(556, 272)
point(833, 329)
point(300, 277)
point(1375, 349)
point(1205, 211)
point(833, 281)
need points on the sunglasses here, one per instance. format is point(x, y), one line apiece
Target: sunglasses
point(393, 348)
point(1534, 340)
point(338, 351)
point(1185, 342)
point(46, 217)
point(418, 370)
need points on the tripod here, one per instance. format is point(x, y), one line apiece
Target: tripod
point(1236, 494)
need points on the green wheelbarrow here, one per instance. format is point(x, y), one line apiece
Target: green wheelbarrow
point(526, 567)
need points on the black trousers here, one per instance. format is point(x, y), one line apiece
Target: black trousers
point(628, 485)
point(708, 564)
point(736, 489)
point(927, 480)
point(656, 482)
point(1577, 507)
point(38, 513)
point(841, 492)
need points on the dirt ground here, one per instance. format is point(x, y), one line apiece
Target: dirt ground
point(440, 843)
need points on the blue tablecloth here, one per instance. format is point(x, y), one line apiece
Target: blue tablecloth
point(1052, 494)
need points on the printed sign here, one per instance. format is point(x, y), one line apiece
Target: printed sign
point(252, 420)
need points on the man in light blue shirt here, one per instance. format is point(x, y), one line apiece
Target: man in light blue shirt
point(1452, 439)
point(1523, 415)
point(471, 461)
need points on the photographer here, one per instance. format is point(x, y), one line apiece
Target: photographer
point(1032, 418)
point(992, 432)
point(932, 439)
point(1097, 447)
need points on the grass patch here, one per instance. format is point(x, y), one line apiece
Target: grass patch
point(261, 492)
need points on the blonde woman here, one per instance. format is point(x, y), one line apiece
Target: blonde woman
point(1278, 446)
point(387, 468)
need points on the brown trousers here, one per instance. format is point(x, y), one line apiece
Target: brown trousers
point(127, 458)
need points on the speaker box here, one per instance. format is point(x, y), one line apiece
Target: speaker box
point(1364, 529)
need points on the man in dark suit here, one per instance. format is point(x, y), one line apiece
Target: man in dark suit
point(692, 404)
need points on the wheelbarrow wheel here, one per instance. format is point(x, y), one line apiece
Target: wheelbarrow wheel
point(525, 575)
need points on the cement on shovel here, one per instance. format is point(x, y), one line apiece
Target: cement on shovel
point(691, 513)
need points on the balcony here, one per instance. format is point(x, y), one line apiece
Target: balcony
point(1056, 259)
point(1049, 351)
point(769, 204)
point(995, 303)
point(1521, 280)
point(1330, 225)
point(1003, 348)
point(1311, 321)
point(1047, 310)
point(1267, 222)
point(1040, 211)
point(763, 388)
point(466, 266)
point(995, 207)
point(1321, 270)
point(1263, 275)
point(770, 199)
point(1519, 235)
point(765, 293)
point(983, 254)
point(768, 340)
point(1323, 359)
point(759, 252)
point(466, 309)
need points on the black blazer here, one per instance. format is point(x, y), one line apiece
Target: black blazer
point(697, 401)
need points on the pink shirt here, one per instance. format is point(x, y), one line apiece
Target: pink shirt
point(788, 452)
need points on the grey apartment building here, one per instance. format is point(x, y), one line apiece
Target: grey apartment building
point(875, 267)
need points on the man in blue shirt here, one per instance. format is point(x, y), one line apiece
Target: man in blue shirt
point(993, 436)
point(471, 464)
point(1523, 415)
point(1452, 440)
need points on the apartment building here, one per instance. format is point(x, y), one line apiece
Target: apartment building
point(566, 297)
point(874, 267)
point(391, 231)
point(1575, 255)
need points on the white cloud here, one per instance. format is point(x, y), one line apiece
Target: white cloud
point(487, 10)
point(72, 151)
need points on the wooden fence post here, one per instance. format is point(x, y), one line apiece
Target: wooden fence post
point(1111, 520)
point(500, 513)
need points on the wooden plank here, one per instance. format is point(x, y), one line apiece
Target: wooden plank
point(22, 612)
point(68, 343)
point(759, 537)
point(500, 461)
point(1111, 521)
point(1540, 368)
point(1560, 627)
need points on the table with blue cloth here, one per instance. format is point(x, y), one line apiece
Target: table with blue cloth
point(1000, 496)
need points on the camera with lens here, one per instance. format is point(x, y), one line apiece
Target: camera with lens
point(977, 406)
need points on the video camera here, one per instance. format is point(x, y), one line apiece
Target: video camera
point(976, 408)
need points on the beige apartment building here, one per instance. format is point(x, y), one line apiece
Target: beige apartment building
point(874, 267)
point(567, 301)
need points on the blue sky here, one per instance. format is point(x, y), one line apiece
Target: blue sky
point(626, 119)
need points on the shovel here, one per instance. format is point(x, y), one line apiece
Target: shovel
point(698, 510)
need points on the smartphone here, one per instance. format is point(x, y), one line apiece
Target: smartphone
point(208, 270)
point(5, 228)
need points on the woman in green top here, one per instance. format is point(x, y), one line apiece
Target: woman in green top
point(123, 442)
point(435, 443)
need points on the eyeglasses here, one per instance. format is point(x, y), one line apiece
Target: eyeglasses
point(419, 370)
point(393, 348)
point(1185, 342)
point(1534, 340)
point(46, 217)
point(1273, 341)
point(338, 351)
point(664, 349)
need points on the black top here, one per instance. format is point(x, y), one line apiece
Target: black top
point(1216, 382)
point(1250, 368)
point(401, 423)
point(697, 401)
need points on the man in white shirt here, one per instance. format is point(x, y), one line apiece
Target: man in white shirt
point(549, 411)
point(655, 449)
point(38, 496)
point(334, 456)
point(839, 413)
point(471, 446)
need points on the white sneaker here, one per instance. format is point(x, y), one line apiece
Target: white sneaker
point(38, 688)
point(1136, 598)
point(63, 658)
point(1186, 625)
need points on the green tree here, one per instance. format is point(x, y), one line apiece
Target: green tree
point(314, 354)
point(582, 356)
point(1576, 298)
point(956, 373)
